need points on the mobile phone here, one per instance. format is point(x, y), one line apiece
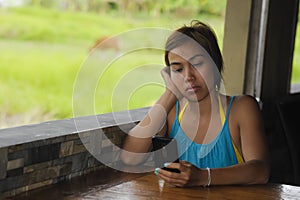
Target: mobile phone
point(165, 151)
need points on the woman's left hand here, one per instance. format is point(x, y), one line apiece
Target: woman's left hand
point(189, 175)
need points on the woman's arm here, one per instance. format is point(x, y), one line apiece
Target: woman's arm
point(139, 138)
point(247, 120)
point(250, 172)
point(255, 170)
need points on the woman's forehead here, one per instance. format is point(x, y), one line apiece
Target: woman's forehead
point(188, 51)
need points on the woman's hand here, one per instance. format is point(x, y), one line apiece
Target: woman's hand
point(189, 175)
point(165, 72)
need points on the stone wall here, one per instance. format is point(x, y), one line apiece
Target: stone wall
point(37, 155)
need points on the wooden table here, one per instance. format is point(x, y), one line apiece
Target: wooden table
point(118, 185)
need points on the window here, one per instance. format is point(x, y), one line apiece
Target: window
point(295, 77)
point(51, 38)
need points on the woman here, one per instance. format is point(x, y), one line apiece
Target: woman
point(220, 138)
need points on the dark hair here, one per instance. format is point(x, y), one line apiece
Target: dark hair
point(200, 33)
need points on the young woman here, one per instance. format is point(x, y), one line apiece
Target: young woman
point(220, 138)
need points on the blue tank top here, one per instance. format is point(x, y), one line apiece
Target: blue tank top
point(216, 154)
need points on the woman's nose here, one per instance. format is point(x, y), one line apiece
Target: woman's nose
point(189, 74)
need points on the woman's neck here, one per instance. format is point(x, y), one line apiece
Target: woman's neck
point(205, 106)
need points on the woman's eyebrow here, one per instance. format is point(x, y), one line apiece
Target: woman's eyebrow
point(189, 60)
point(175, 63)
point(195, 56)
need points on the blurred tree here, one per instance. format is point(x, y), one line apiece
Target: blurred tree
point(36, 2)
point(151, 7)
point(48, 3)
point(212, 7)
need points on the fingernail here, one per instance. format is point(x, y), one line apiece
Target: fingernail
point(166, 164)
point(156, 171)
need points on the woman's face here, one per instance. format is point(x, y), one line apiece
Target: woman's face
point(192, 71)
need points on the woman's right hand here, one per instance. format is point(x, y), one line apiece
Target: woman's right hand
point(165, 72)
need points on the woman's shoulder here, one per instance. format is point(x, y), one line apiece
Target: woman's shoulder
point(245, 100)
point(245, 105)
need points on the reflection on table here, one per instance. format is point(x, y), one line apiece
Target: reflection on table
point(112, 184)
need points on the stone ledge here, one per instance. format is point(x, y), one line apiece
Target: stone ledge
point(29, 133)
point(37, 155)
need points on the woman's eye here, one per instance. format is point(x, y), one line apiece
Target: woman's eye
point(177, 70)
point(197, 64)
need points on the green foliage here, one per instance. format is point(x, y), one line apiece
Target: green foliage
point(37, 75)
point(155, 7)
point(296, 59)
point(36, 24)
point(213, 7)
point(42, 50)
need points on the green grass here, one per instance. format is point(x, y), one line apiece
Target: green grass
point(42, 51)
point(296, 59)
point(38, 75)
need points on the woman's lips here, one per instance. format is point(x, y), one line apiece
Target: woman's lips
point(193, 89)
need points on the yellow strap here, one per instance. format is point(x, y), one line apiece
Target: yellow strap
point(239, 157)
point(182, 111)
point(222, 115)
point(221, 110)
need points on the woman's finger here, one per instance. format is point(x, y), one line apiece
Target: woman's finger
point(173, 179)
point(185, 166)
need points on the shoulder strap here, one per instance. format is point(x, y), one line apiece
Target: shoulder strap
point(239, 156)
point(181, 112)
point(221, 110)
point(222, 113)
